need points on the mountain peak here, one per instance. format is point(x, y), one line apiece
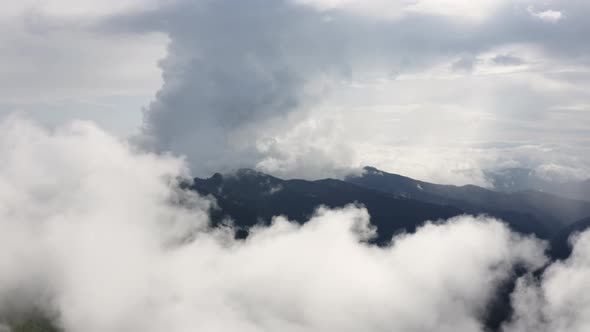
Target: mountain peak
point(371, 170)
point(249, 173)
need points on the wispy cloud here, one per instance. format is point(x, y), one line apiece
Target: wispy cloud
point(547, 15)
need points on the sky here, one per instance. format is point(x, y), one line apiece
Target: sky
point(437, 90)
point(106, 105)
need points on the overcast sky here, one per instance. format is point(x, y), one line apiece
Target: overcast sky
point(437, 90)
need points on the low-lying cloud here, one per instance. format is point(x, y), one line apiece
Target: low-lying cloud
point(99, 237)
point(556, 302)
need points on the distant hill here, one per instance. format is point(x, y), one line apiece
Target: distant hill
point(549, 212)
point(520, 179)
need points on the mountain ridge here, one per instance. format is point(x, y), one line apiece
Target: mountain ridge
point(552, 210)
point(249, 197)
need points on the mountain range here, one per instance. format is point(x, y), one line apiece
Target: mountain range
point(396, 203)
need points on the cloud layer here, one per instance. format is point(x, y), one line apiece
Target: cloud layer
point(97, 236)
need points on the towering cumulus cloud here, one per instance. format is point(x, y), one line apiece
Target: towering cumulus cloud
point(98, 237)
point(240, 80)
point(232, 68)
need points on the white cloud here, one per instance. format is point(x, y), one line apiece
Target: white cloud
point(556, 302)
point(97, 235)
point(472, 10)
point(312, 149)
point(546, 15)
point(76, 8)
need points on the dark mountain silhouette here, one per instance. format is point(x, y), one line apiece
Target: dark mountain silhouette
point(548, 212)
point(249, 197)
point(395, 203)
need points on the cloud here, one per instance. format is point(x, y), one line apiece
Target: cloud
point(249, 83)
point(554, 302)
point(474, 10)
point(465, 64)
point(235, 78)
point(546, 15)
point(507, 60)
point(242, 85)
point(98, 236)
point(311, 149)
point(242, 81)
point(88, 9)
